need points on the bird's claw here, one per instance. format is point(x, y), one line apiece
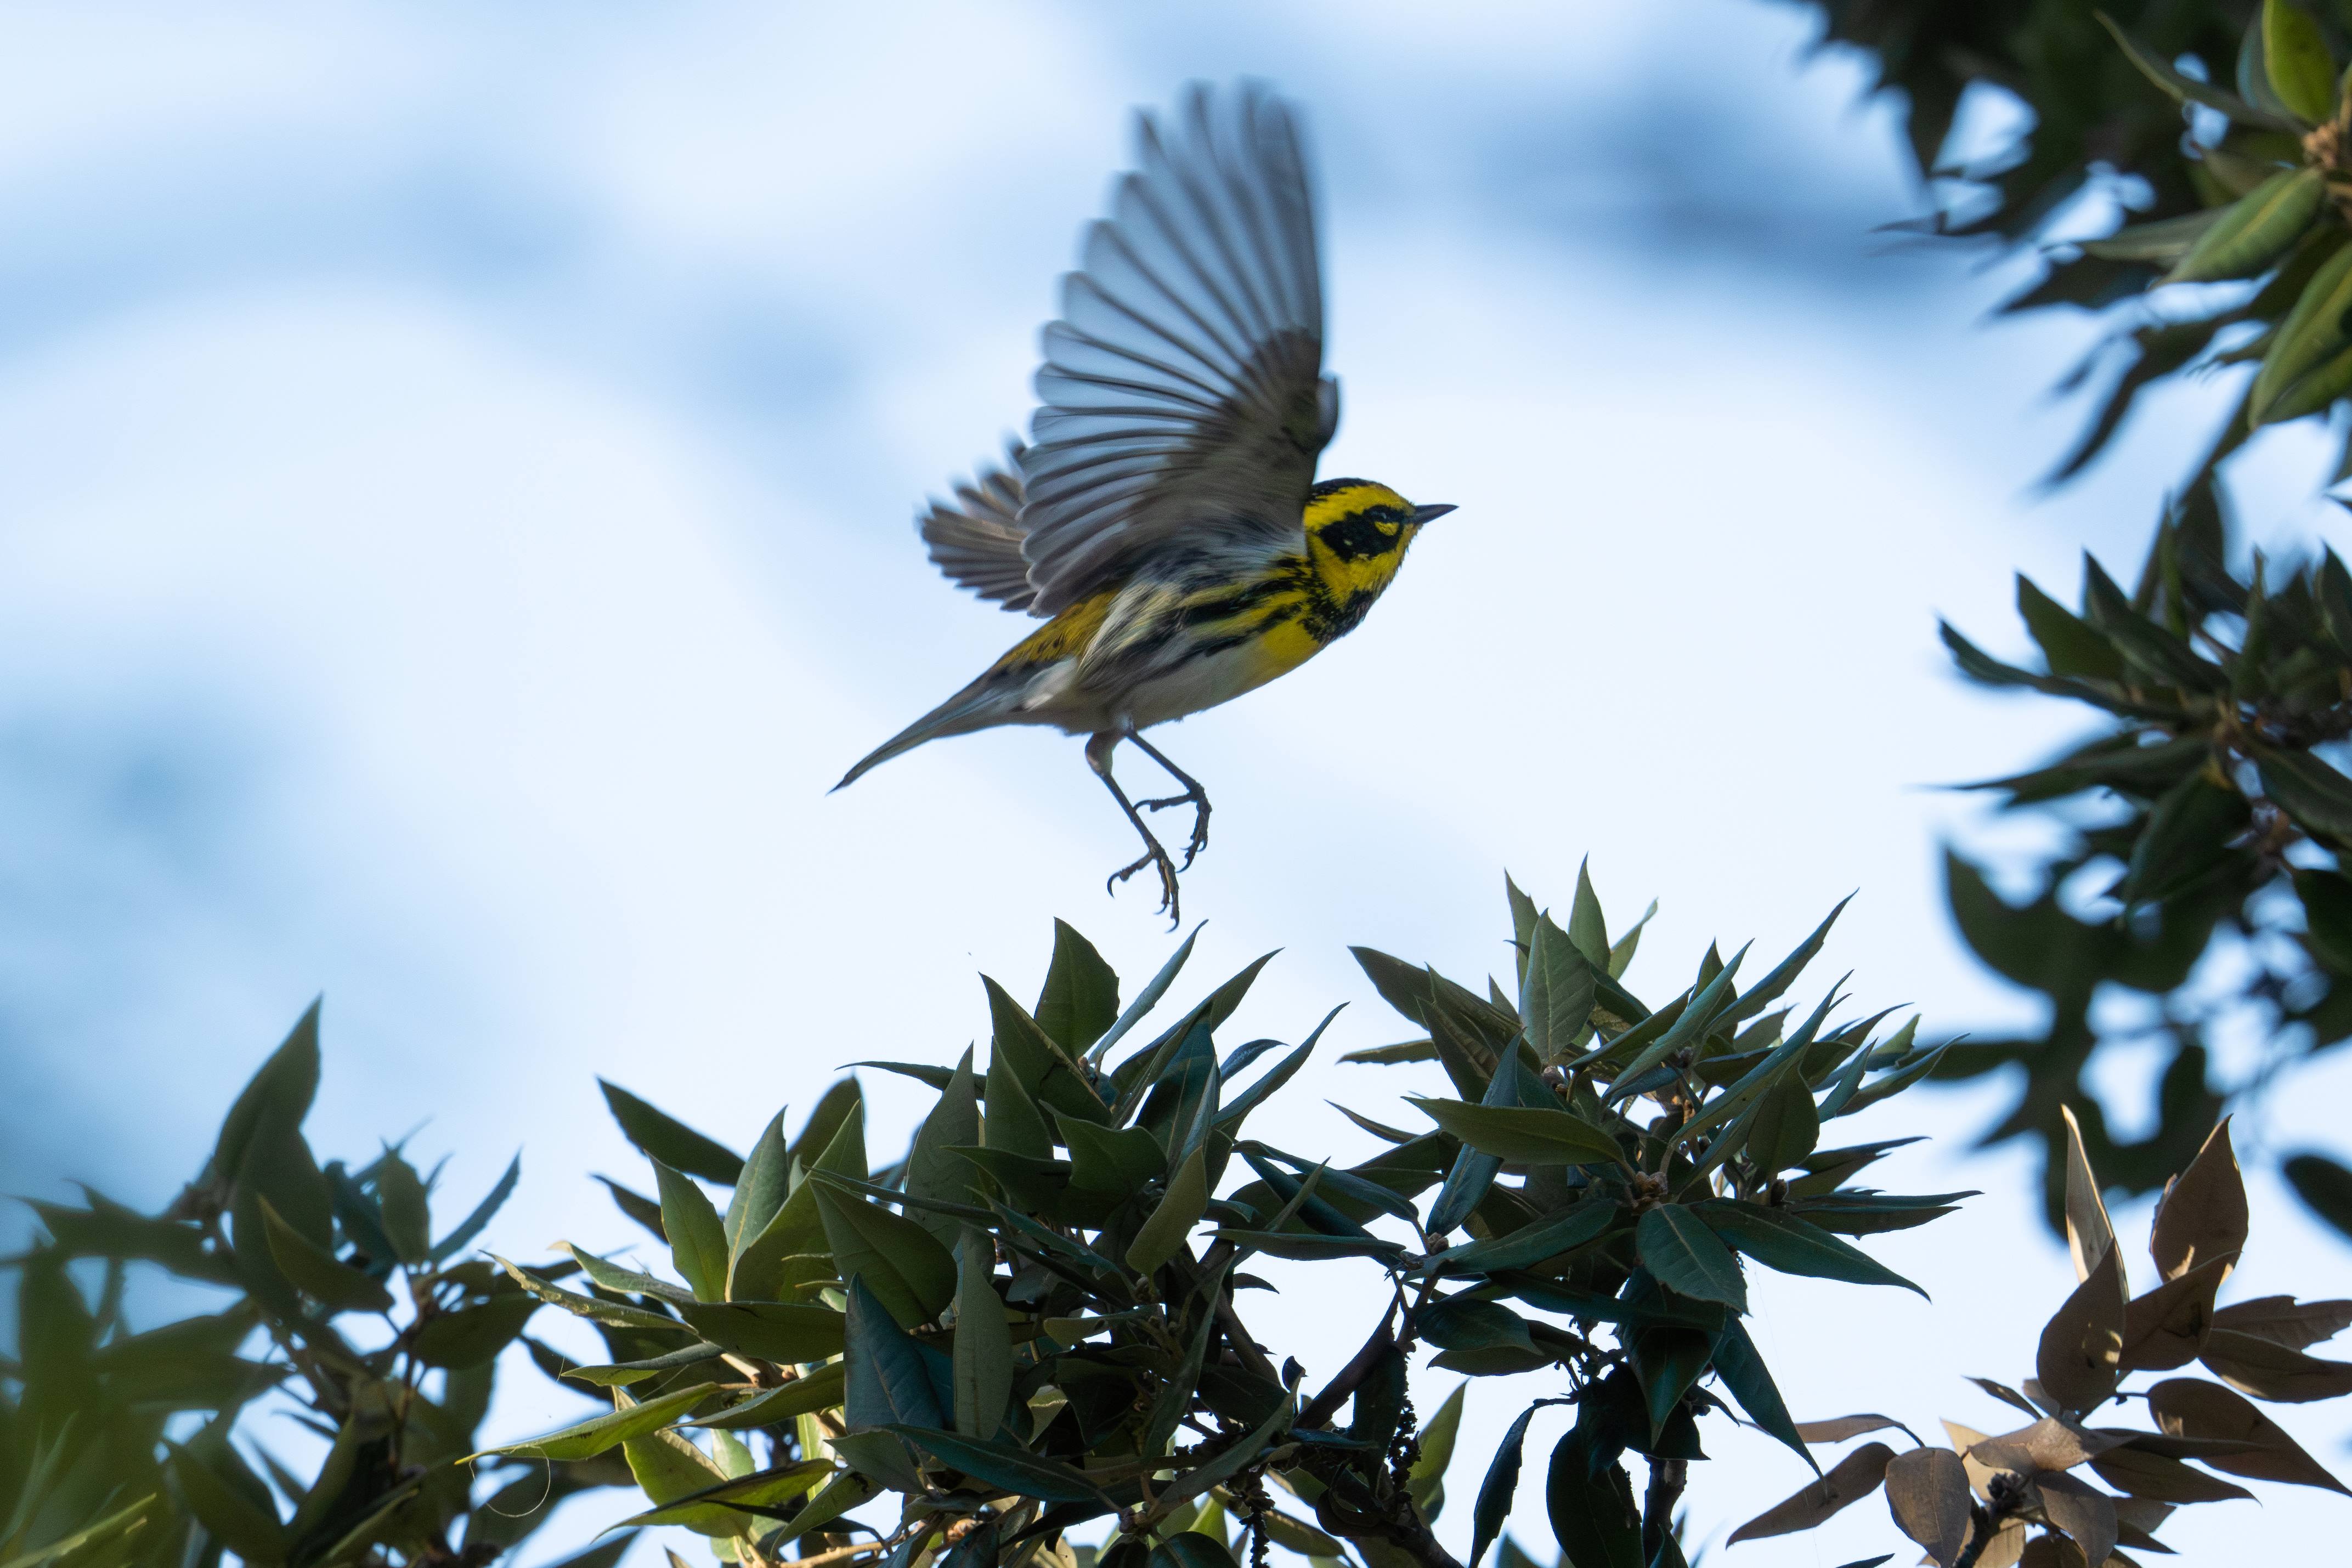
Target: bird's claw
point(1200, 804)
point(1153, 855)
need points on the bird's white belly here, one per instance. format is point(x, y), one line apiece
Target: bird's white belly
point(1198, 684)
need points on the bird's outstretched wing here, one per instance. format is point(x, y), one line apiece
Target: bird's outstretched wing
point(1182, 388)
point(977, 540)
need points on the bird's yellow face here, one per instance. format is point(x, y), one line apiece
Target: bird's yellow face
point(1357, 534)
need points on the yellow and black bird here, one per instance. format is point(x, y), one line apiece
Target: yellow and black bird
point(1164, 517)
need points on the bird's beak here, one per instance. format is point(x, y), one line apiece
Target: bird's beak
point(1431, 514)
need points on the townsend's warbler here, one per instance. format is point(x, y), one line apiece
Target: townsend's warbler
point(1164, 517)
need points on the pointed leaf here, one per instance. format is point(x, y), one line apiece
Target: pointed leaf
point(2201, 1217)
point(1523, 1135)
point(1850, 1480)
point(586, 1439)
point(697, 1240)
point(911, 1274)
point(1927, 1493)
point(1678, 1246)
point(664, 1138)
point(983, 1342)
point(1080, 1001)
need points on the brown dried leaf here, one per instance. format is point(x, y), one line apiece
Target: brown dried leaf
point(2270, 1371)
point(2283, 1320)
point(1927, 1493)
point(2085, 1513)
point(2176, 1447)
point(2201, 1217)
point(2006, 1547)
point(2143, 1514)
point(2047, 1445)
point(2008, 1395)
point(2077, 1358)
point(2191, 1407)
point(2090, 1234)
point(1965, 1438)
point(1849, 1480)
point(2166, 1327)
point(1838, 1428)
point(2160, 1479)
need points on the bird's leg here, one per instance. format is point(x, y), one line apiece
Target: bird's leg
point(1099, 749)
point(1193, 796)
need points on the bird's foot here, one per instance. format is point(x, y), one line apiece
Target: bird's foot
point(1153, 855)
point(1200, 804)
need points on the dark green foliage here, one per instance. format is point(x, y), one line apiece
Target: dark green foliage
point(88, 1477)
point(2221, 126)
point(2207, 811)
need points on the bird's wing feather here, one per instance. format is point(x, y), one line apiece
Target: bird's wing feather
point(976, 539)
point(1182, 388)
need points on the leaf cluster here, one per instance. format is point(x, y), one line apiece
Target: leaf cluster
point(2023, 1496)
point(1036, 1319)
point(2210, 807)
point(340, 1304)
point(2221, 127)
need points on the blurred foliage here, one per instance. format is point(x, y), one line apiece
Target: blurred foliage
point(313, 1414)
point(2222, 131)
point(1982, 1501)
point(2204, 821)
point(1035, 1320)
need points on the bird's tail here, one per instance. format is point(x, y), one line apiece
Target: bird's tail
point(987, 701)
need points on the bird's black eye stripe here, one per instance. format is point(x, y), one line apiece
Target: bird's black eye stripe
point(1361, 534)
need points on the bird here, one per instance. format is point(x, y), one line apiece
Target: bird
point(1163, 518)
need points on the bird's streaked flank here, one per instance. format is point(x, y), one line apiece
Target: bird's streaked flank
point(1164, 517)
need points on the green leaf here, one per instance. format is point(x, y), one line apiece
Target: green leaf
point(1523, 924)
point(1787, 1126)
point(1622, 951)
point(2070, 645)
point(761, 1190)
point(472, 1336)
point(635, 1205)
point(664, 1138)
point(2184, 840)
point(1236, 1457)
point(1163, 1235)
point(474, 1224)
point(248, 1527)
point(1779, 1239)
point(822, 1389)
point(277, 1096)
point(1590, 1503)
point(622, 1373)
point(2186, 88)
point(399, 1196)
point(1308, 1247)
point(726, 1507)
point(770, 1331)
point(120, 1521)
point(1699, 1014)
point(2312, 334)
point(983, 1342)
point(1556, 994)
point(1501, 1484)
point(2255, 231)
point(1013, 1124)
point(889, 1378)
point(1015, 1470)
point(2295, 55)
point(1530, 1244)
point(315, 1272)
point(1145, 999)
point(2325, 1186)
point(933, 1170)
point(1774, 986)
point(756, 1273)
point(1586, 929)
point(1749, 1382)
point(698, 1240)
point(669, 1469)
point(1080, 1001)
point(2164, 241)
point(2316, 796)
point(908, 1273)
point(616, 1313)
point(1047, 1073)
point(1231, 1113)
point(1175, 1395)
point(1115, 1163)
point(1523, 1135)
point(1687, 1259)
point(841, 1100)
point(586, 1439)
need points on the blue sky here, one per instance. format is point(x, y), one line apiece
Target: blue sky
point(459, 468)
